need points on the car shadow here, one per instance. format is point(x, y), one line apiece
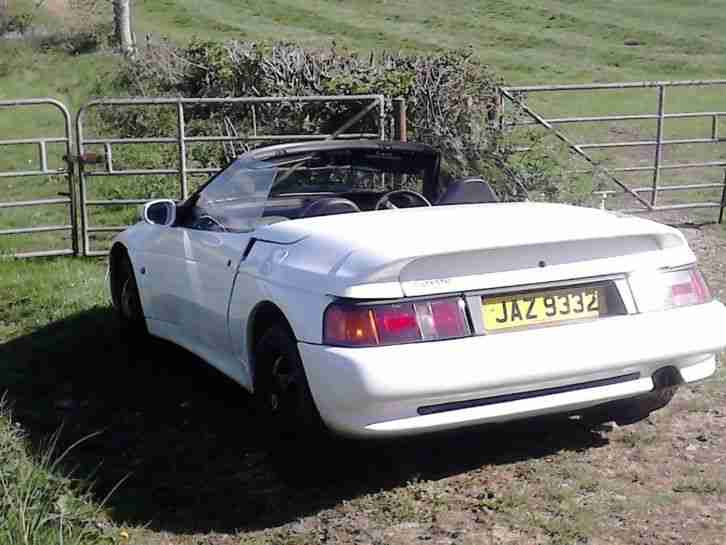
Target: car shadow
point(183, 442)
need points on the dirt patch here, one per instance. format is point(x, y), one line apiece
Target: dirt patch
point(59, 8)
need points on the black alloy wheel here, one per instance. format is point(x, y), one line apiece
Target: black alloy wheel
point(282, 392)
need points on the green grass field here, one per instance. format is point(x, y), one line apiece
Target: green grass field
point(526, 41)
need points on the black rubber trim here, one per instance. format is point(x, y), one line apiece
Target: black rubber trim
point(456, 405)
point(248, 249)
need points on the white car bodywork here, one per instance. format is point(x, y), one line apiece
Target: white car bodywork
point(201, 290)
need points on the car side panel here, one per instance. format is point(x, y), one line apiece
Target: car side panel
point(211, 261)
point(158, 257)
point(226, 363)
point(260, 280)
point(169, 292)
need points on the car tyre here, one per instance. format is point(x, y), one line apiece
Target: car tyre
point(126, 299)
point(291, 423)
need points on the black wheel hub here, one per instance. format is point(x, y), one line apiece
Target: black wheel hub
point(129, 300)
point(283, 389)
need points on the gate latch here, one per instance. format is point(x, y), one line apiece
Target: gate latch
point(86, 158)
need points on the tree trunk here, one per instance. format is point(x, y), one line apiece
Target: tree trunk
point(122, 25)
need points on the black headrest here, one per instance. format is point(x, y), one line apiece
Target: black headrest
point(329, 206)
point(468, 191)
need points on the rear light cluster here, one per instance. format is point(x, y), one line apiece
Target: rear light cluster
point(686, 287)
point(666, 289)
point(398, 323)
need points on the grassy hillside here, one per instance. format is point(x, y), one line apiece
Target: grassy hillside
point(526, 40)
point(534, 41)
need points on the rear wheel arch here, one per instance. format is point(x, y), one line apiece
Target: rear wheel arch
point(265, 315)
point(281, 391)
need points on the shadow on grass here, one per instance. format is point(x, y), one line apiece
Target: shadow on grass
point(185, 435)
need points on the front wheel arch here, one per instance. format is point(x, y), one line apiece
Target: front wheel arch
point(117, 253)
point(121, 273)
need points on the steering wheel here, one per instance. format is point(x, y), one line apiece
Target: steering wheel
point(385, 200)
point(328, 207)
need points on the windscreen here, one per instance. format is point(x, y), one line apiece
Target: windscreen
point(250, 192)
point(235, 198)
point(348, 171)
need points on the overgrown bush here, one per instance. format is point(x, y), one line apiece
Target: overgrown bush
point(15, 22)
point(38, 504)
point(81, 26)
point(449, 98)
point(78, 40)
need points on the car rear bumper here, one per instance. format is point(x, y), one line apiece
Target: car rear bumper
point(388, 391)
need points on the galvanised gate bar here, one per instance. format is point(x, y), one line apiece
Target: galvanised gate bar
point(181, 139)
point(80, 227)
point(43, 170)
point(516, 96)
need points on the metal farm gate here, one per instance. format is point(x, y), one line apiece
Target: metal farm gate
point(12, 225)
point(104, 161)
point(646, 197)
point(90, 219)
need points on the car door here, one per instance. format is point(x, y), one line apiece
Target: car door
point(212, 261)
point(188, 273)
point(216, 225)
point(162, 270)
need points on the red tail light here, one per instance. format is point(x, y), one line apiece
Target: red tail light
point(353, 325)
point(449, 318)
point(661, 290)
point(397, 324)
point(687, 287)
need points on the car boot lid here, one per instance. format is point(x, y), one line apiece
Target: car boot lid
point(422, 251)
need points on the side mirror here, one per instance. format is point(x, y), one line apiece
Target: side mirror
point(160, 212)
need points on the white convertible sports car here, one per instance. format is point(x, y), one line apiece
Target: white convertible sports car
point(353, 290)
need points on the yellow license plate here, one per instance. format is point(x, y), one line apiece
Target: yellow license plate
point(543, 308)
